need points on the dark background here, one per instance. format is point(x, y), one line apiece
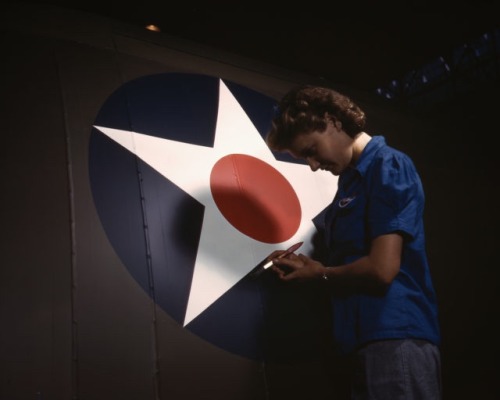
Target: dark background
point(363, 44)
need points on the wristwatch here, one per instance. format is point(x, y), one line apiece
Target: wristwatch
point(325, 276)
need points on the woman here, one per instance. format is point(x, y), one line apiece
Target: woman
point(385, 319)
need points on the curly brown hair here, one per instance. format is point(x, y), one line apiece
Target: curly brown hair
point(305, 109)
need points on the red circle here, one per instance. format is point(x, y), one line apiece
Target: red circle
point(255, 198)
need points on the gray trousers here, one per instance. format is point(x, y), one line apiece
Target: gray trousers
point(395, 370)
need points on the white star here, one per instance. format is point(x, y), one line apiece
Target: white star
point(226, 255)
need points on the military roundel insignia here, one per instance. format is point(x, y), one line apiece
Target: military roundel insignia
point(192, 199)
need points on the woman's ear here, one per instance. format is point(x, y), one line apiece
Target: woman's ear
point(336, 123)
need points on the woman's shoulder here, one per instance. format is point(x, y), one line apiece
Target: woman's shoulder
point(392, 157)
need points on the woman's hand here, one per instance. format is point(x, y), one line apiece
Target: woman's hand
point(296, 267)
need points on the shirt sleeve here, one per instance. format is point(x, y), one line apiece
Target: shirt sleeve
point(396, 198)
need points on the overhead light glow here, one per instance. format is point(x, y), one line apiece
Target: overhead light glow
point(153, 28)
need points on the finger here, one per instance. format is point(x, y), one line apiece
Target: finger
point(290, 276)
point(278, 271)
point(292, 256)
point(303, 258)
point(287, 262)
point(275, 254)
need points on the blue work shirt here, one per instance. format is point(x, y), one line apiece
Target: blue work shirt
point(382, 194)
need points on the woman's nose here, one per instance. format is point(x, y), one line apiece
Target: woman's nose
point(313, 164)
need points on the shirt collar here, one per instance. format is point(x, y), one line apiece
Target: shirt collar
point(363, 162)
point(368, 153)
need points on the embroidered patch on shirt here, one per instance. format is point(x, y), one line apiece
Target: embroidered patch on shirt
point(345, 201)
